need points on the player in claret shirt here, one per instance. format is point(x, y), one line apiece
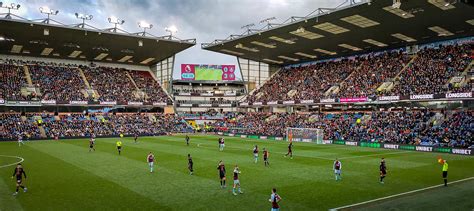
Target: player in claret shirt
point(151, 161)
point(255, 153)
point(274, 199)
point(221, 169)
point(337, 166)
point(236, 181)
point(19, 172)
point(221, 144)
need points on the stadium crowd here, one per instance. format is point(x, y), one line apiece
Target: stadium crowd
point(11, 80)
point(150, 86)
point(372, 72)
point(58, 82)
point(112, 84)
point(63, 82)
point(309, 82)
point(432, 69)
point(360, 76)
point(81, 125)
point(419, 127)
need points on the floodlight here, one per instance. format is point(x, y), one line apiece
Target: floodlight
point(172, 30)
point(12, 6)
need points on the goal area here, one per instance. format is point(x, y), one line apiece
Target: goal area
point(314, 135)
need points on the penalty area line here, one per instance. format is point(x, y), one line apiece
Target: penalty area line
point(12, 164)
point(397, 195)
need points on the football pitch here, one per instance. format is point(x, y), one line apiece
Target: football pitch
point(63, 175)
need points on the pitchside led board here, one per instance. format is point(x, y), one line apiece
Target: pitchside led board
point(198, 72)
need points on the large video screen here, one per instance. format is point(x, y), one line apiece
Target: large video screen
point(207, 72)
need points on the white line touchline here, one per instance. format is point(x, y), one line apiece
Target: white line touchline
point(400, 194)
point(12, 164)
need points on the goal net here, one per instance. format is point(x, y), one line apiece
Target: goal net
point(305, 135)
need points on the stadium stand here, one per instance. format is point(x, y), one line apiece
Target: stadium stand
point(433, 68)
point(374, 70)
point(61, 82)
point(146, 83)
point(58, 82)
point(81, 125)
point(304, 82)
point(429, 73)
point(112, 84)
point(11, 81)
point(416, 127)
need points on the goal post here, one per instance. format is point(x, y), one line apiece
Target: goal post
point(314, 135)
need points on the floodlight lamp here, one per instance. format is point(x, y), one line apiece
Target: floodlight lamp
point(113, 19)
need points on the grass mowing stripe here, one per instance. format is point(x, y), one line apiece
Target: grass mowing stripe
point(6, 199)
point(305, 183)
point(398, 195)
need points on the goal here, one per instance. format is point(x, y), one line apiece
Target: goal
point(305, 135)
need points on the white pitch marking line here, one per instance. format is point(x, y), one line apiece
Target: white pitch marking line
point(12, 164)
point(400, 194)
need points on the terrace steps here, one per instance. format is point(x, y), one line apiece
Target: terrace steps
point(394, 80)
point(406, 66)
point(42, 131)
point(27, 75)
point(131, 79)
point(84, 78)
point(466, 70)
point(337, 89)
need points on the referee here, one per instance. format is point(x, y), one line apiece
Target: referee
point(445, 173)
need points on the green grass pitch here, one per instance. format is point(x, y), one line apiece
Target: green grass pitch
point(63, 175)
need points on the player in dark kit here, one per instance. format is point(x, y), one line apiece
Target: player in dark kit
point(187, 140)
point(221, 169)
point(92, 144)
point(265, 157)
point(19, 172)
point(190, 164)
point(290, 150)
point(383, 170)
point(136, 137)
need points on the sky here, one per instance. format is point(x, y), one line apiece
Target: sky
point(205, 20)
